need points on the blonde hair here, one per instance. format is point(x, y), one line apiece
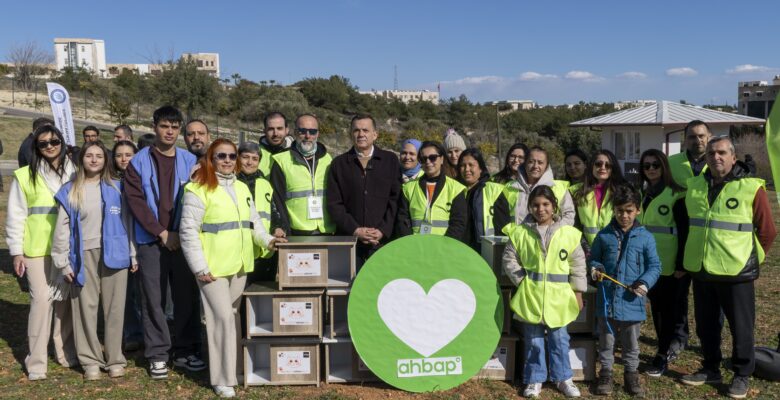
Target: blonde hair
point(76, 195)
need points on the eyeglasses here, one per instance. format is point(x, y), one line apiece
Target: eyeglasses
point(652, 165)
point(431, 158)
point(310, 132)
point(45, 143)
point(223, 156)
point(516, 158)
point(602, 164)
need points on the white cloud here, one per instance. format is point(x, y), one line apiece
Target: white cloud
point(633, 75)
point(681, 71)
point(748, 69)
point(535, 76)
point(584, 76)
point(478, 80)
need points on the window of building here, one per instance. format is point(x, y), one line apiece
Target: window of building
point(745, 94)
point(82, 48)
point(759, 94)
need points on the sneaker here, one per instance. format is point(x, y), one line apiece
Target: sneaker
point(116, 371)
point(659, 366)
point(739, 387)
point(158, 370)
point(701, 377)
point(532, 390)
point(91, 373)
point(604, 385)
point(633, 384)
point(224, 391)
point(32, 376)
point(568, 388)
point(191, 363)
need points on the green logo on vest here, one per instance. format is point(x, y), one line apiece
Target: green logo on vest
point(663, 209)
point(425, 313)
point(563, 254)
point(732, 203)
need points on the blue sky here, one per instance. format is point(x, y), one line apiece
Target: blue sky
point(552, 52)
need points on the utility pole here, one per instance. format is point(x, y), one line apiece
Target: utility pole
point(395, 77)
point(498, 137)
point(13, 92)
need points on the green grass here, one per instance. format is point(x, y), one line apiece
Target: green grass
point(66, 383)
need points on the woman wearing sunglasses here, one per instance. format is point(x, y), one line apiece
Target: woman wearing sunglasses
point(219, 229)
point(665, 216)
point(92, 250)
point(594, 198)
point(32, 213)
point(435, 204)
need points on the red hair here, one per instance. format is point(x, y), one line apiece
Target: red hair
point(206, 174)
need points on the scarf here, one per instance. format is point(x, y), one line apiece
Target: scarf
point(411, 172)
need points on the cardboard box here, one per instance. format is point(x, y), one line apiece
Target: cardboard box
point(506, 296)
point(270, 312)
point(582, 357)
point(343, 364)
point(292, 361)
point(492, 250)
point(586, 320)
point(501, 365)
point(316, 261)
point(336, 325)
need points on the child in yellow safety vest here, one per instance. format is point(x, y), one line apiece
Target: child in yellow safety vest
point(544, 259)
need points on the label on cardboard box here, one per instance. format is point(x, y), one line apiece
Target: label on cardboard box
point(303, 264)
point(497, 360)
point(293, 362)
point(295, 313)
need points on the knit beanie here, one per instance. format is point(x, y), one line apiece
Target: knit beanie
point(453, 141)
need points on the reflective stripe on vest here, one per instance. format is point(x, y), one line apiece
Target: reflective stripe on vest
point(41, 217)
point(264, 194)
point(591, 217)
point(721, 236)
point(658, 219)
point(299, 186)
point(545, 295)
point(439, 212)
point(226, 234)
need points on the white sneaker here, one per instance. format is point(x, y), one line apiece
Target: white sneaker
point(532, 390)
point(224, 391)
point(568, 388)
point(32, 376)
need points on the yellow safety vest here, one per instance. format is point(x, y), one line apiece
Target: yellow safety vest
point(545, 295)
point(264, 194)
point(299, 188)
point(490, 193)
point(658, 219)
point(591, 217)
point(438, 214)
point(266, 161)
point(41, 214)
point(681, 168)
point(226, 231)
point(721, 235)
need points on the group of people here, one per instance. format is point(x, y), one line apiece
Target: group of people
point(117, 227)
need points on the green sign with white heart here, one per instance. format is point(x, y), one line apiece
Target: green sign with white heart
point(425, 313)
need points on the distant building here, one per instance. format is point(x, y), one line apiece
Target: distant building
point(507, 106)
point(207, 62)
point(755, 98)
point(406, 96)
point(89, 54)
point(619, 105)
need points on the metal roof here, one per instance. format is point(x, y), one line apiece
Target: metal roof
point(668, 113)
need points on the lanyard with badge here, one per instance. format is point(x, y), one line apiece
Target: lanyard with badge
point(426, 226)
point(313, 201)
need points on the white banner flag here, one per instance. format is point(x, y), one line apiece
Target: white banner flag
point(60, 107)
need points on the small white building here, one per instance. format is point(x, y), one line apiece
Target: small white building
point(630, 132)
point(405, 96)
point(513, 105)
point(89, 54)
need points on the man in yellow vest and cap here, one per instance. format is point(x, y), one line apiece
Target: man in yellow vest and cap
point(731, 229)
point(691, 162)
point(298, 177)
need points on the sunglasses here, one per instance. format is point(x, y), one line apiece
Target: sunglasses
point(310, 132)
point(223, 156)
point(602, 164)
point(652, 165)
point(45, 143)
point(431, 158)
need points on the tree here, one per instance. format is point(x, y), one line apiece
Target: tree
point(182, 85)
point(118, 108)
point(28, 60)
point(332, 93)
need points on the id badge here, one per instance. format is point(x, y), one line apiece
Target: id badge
point(314, 207)
point(425, 228)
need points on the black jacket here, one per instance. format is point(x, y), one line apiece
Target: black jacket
point(458, 212)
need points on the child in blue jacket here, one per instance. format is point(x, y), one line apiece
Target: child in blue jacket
point(625, 251)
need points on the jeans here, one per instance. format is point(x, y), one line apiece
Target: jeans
point(535, 367)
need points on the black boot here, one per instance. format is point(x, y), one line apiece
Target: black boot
point(633, 384)
point(604, 384)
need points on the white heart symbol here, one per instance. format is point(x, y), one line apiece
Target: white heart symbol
point(426, 323)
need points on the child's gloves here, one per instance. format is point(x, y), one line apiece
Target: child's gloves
point(639, 288)
point(595, 273)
